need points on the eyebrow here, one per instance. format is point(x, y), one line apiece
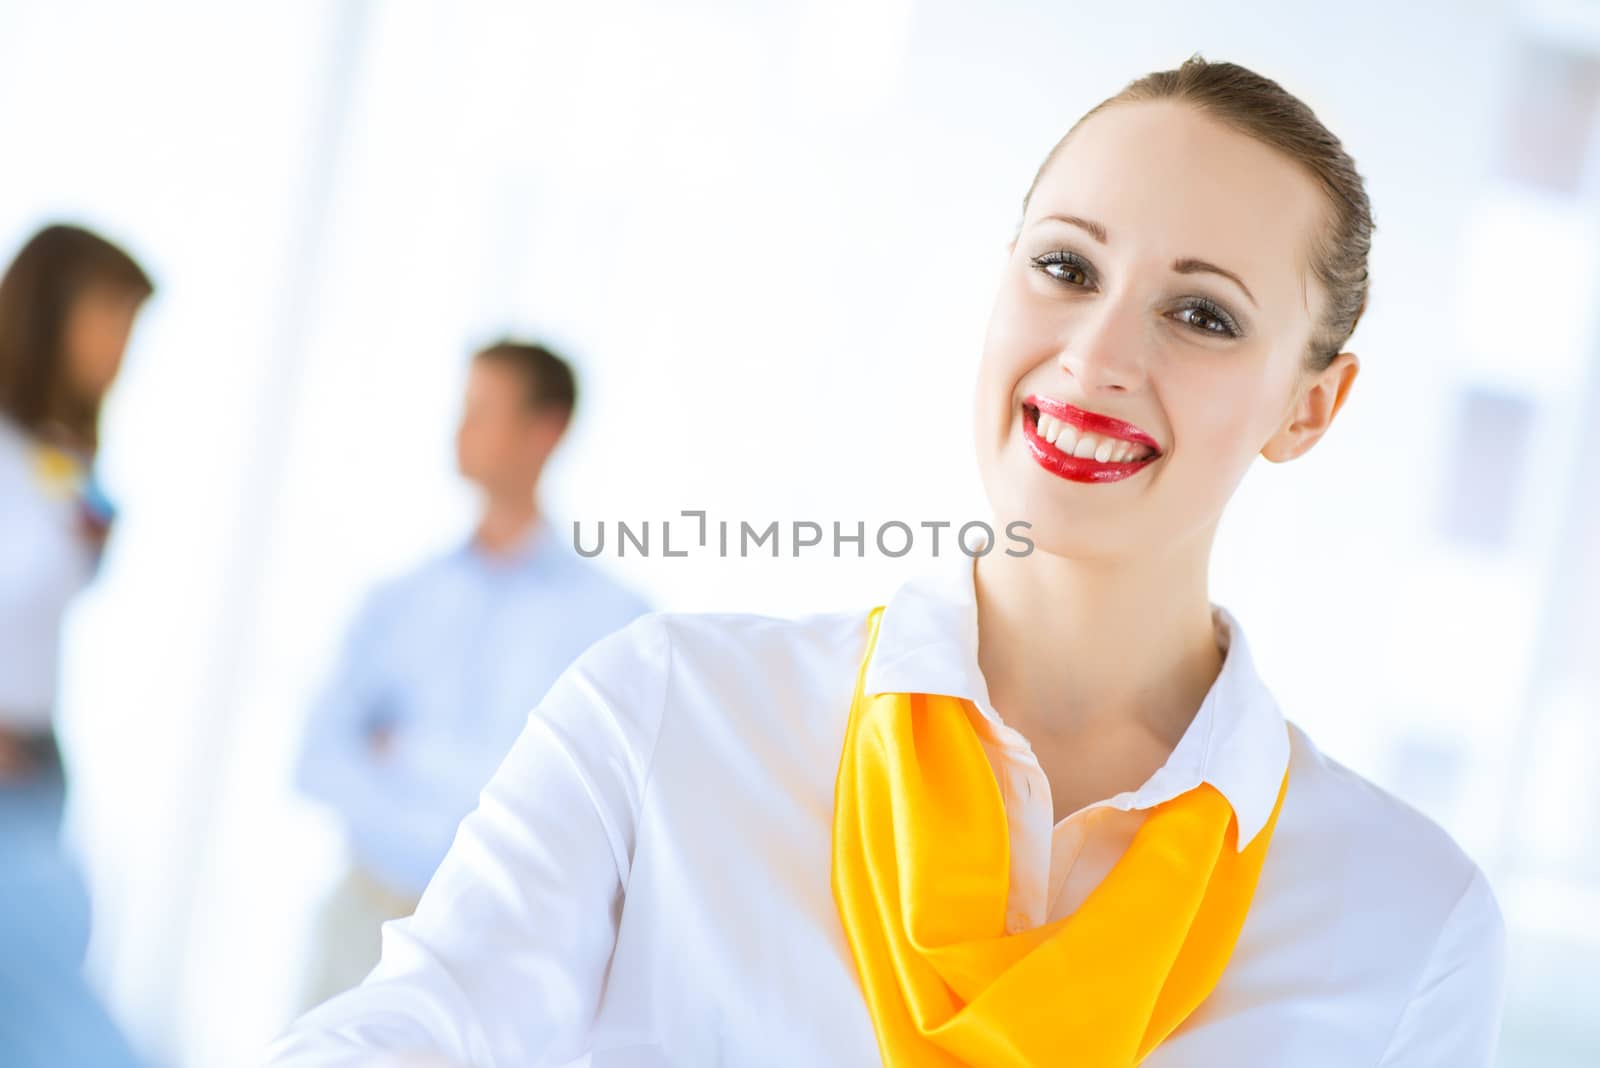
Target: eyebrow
point(1096, 231)
point(1185, 265)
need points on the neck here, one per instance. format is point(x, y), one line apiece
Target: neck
point(507, 519)
point(1069, 646)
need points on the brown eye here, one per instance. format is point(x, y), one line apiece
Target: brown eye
point(1196, 317)
point(1208, 318)
point(1064, 267)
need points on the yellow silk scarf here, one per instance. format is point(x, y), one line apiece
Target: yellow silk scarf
point(920, 875)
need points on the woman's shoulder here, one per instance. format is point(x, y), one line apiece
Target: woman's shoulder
point(1377, 852)
point(1347, 801)
point(721, 678)
point(705, 639)
point(1386, 904)
point(37, 496)
point(712, 637)
point(707, 658)
point(16, 453)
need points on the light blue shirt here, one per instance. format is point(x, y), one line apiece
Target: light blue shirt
point(450, 659)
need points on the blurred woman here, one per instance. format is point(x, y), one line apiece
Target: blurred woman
point(67, 306)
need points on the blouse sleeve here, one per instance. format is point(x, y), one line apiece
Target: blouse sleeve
point(504, 960)
point(1453, 1015)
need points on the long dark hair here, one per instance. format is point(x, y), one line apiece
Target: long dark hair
point(37, 294)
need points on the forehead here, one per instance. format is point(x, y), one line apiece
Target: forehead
point(1168, 181)
point(489, 375)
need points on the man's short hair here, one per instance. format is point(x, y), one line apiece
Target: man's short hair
point(549, 380)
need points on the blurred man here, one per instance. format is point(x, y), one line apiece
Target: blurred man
point(442, 666)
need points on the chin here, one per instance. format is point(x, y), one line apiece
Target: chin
point(1069, 536)
point(1082, 522)
point(1076, 545)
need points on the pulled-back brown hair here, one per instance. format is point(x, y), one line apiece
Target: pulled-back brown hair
point(37, 295)
point(1259, 107)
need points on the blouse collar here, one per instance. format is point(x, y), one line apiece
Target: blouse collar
point(1238, 741)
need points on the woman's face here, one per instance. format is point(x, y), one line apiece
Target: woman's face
point(96, 336)
point(1149, 336)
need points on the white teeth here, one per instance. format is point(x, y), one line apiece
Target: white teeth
point(1074, 442)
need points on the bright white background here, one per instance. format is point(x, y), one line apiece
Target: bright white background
point(767, 235)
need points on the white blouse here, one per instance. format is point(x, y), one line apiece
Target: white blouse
point(44, 562)
point(646, 879)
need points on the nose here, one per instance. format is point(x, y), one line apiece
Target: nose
point(1102, 350)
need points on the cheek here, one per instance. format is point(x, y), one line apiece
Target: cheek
point(1219, 418)
point(1020, 332)
point(85, 352)
point(100, 340)
point(498, 437)
point(480, 435)
point(1017, 340)
point(530, 444)
point(466, 444)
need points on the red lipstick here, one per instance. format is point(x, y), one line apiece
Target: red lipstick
point(1078, 468)
point(1091, 422)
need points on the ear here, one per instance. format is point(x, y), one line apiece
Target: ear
point(549, 428)
point(1314, 408)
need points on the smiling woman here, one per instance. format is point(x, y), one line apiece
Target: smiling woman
point(1039, 809)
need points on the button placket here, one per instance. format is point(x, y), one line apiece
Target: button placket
point(1030, 821)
